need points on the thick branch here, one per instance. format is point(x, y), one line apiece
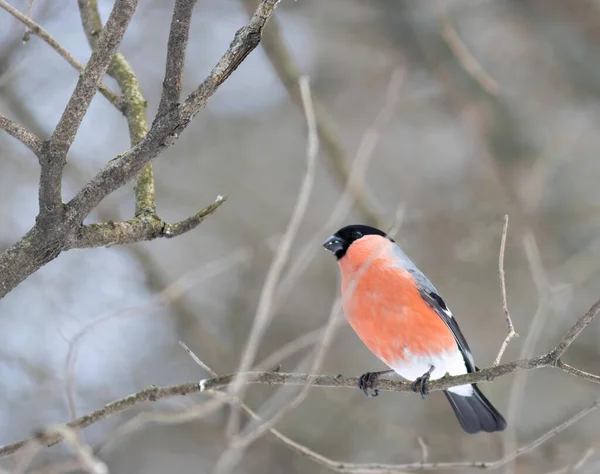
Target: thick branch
point(55, 153)
point(135, 104)
point(140, 229)
point(166, 128)
point(35, 250)
point(40, 32)
point(19, 132)
point(176, 48)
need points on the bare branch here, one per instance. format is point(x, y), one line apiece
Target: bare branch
point(166, 128)
point(40, 32)
point(176, 48)
point(154, 393)
point(84, 452)
point(120, 70)
point(572, 334)
point(41, 245)
point(55, 153)
point(289, 73)
point(144, 228)
point(577, 372)
point(19, 132)
point(487, 465)
point(135, 104)
point(354, 468)
point(267, 295)
point(511, 329)
point(467, 61)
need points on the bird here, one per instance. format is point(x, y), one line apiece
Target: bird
point(400, 316)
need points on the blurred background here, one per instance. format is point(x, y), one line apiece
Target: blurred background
point(497, 113)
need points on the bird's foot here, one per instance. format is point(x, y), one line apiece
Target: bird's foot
point(421, 384)
point(367, 381)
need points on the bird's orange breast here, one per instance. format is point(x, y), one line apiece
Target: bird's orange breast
point(382, 304)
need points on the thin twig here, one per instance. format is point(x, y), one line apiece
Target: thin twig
point(572, 334)
point(487, 465)
point(577, 372)
point(471, 66)
point(165, 297)
point(509, 323)
point(41, 33)
point(84, 452)
point(15, 130)
point(364, 154)
point(536, 327)
point(27, 33)
point(265, 303)
point(289, 72)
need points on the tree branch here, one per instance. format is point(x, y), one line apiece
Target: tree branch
point(55, 151)
point(579, 326)
point(289, 73)
point(41, 245)
point(154, 393)
point(19, 132)
point(140, 229)
point(135, 104)
point(41, 33)
point(176, 48)
point(511, 328)
point(166, 129)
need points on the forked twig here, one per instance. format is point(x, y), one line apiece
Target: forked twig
point(511, 329)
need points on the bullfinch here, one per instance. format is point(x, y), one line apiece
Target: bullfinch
point(400, 316)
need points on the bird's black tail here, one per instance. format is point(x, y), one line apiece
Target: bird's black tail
point(475, 413)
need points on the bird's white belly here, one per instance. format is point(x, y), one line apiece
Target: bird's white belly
point(412, 367)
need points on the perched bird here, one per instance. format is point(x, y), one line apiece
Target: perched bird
point(400, 316)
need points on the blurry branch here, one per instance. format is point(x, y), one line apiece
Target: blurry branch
point(134, 102)
point(84, 452)
point(486, 465)
point(536, 327)
point(511, 329)
point(58, 225)
point(253, 431)
point(289, 73)
point(37, 30)
point(19, 132)
point(267, 296)
point(364, 154)
point(154, 393)
point(464, 57)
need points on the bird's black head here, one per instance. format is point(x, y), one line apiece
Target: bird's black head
point(339, 242)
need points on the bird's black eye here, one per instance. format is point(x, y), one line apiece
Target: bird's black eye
point(356, 234)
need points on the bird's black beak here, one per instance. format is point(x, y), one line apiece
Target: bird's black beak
point(336, 246)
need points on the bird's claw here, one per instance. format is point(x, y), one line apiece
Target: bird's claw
point(421, 384)
point(366, 382)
